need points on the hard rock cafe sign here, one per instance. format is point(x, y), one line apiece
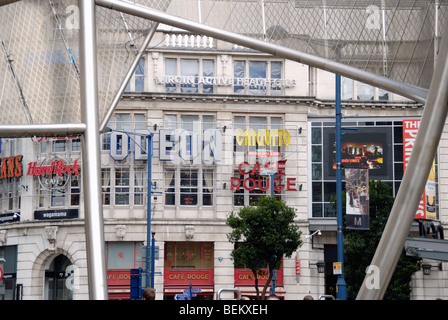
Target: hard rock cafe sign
point(53, 172)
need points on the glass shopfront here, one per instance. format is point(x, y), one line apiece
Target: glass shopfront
point(188, 264)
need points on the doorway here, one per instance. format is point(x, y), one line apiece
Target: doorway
point(57, 280)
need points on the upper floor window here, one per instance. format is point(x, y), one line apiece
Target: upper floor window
point(137, 82)
point(257, 77)
point(354, 90)
point(189, 75)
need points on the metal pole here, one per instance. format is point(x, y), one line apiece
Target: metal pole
point(128, 76)
point(341, 285)
point(93, 210)
point(153, 252)
point(149, 269)
point(5, 2)
point(406, 90)
point(413, 183)
point(41, 130)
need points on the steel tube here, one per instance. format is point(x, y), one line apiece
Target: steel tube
point(93, 210)
point(5, 2)
point(406, 90)
point(42, 130)
point(128, 76)
point(413, 183)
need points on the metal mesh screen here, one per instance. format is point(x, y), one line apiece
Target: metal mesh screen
point(395, 38)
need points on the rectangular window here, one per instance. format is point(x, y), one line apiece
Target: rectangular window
point(121, 186)
point(189, 75)
point(188, 255)
point(239, 72)
point(59, 146)
point(257, 77)
point(189, 187)
point(170, 187)
point(139, 76)
point(139, 183)
point(74, 191)
point(207, 187)
point(137, 81)
point(105, 181)
point(189, 70)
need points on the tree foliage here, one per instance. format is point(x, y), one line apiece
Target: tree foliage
point(360, 246)
point(263, 235)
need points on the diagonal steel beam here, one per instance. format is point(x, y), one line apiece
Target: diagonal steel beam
point(128, 76)
point(5, 2)
point(412, 92)
point(412, 185)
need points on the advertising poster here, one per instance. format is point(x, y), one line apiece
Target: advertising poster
point(363, 148)
point(357, 198)
point(427, 206)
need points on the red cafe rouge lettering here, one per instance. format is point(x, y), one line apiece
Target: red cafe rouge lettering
point(57, 167)
point(11, 167)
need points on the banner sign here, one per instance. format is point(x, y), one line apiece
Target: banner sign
point(357, 195)
point(427, 206)
point(55, 214)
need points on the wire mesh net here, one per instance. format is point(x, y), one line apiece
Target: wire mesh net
point(38, 67)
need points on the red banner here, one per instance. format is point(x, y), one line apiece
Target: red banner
point(426, 207)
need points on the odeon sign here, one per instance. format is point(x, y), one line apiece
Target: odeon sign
point(175, 145)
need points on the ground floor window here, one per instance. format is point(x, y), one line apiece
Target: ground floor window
point(187, 265)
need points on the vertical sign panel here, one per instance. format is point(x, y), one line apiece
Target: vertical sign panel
point(426, 208)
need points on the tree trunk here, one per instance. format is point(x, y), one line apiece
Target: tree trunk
point(263, 295)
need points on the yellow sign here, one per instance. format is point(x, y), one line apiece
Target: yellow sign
point(337, 268)
point(263, 137)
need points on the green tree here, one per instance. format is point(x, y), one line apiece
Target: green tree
point(360, 246)
point(262, 236)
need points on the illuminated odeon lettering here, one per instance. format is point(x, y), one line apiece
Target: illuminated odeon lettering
point(252, 137)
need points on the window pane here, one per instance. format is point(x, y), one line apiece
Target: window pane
point(139, 182)
point(122, 186)
point(105, 181)
point(140, 76)
point(190, 70)
point(257, 70)
point(239, 72)
point(365, 91)
point(316, 135)
point(346, 89)
point(208, 69)
point(188, 187)
point(276, 73)
point(170, 187)
point(207, 187)
point(170, 70)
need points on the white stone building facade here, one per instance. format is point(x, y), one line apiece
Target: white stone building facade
point(229, 97)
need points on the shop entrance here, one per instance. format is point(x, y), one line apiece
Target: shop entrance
point(56, 287)
point(331, 255)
